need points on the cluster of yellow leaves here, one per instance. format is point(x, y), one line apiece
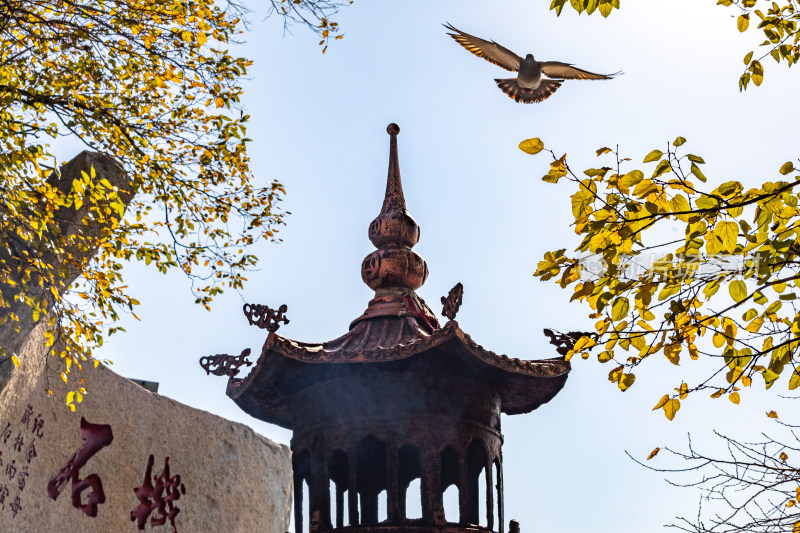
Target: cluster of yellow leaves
point(745, 240)
point(148, 82)
point(778, 22)
point(603, 7)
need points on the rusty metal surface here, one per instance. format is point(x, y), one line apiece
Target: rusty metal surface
point(452, 302)
point(265, 317)
point(385, 339)
point(287, 366)
point(224, 364)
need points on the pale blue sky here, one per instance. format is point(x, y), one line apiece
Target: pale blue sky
point(318, 125)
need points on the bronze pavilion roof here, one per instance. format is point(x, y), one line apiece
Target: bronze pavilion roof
point(396, 332)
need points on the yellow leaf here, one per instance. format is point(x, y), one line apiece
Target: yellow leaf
point(743, 22)
point(671, 408)
point(790, 503)
point(734, 397)
point(531, 146)
point(620, 309)
point(655, 155)
point(787, 167)
point(625, 381)
point(738, 290)
point(662, 402)
point(201, 38)
point(784, 457)
point(728, 232)
point(219, 101)
point(718, 339)
point(683, 391)
point(772, 414)
point(794, 381)
point(15, 360)
point(653, 453)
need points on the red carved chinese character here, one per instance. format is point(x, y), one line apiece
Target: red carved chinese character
point(30, 451)
point(37, 426)
point(11, 470)
point(96, 437)
point(21, 475)
point(15, 507)
point(26, 417)
point(159, 497)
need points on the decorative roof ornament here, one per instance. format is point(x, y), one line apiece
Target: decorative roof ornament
point(394, 271)
point(265, 317)
point(224, 364)
point(564, 342)
point(452, 302)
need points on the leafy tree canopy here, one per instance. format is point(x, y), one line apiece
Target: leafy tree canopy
point(732, 277)
point(151, 83)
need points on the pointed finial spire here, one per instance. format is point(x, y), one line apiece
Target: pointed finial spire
point(394, 186)
point(394, 226)
point(394, 271)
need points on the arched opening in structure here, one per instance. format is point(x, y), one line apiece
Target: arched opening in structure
point(371, 477)
point(450, 485)
point(301, 469)
point(476, 485)
point(409, 498)
point(497, 476)
point(337, 473)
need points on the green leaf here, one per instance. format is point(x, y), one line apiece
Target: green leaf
point(738, 290)
point(655, 155)
point(531, 146)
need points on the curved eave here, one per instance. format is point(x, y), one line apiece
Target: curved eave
point(285, 367)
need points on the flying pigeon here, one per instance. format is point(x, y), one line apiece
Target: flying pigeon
point(529, 86)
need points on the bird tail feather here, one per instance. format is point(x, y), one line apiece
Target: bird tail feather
point(511, 87)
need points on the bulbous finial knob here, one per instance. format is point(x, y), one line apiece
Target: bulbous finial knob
point(394, 271)
point(394, 232)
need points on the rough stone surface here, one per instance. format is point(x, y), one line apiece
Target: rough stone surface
point(235, 480)
point(72, 222)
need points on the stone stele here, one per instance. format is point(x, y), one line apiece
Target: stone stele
point(233, 479)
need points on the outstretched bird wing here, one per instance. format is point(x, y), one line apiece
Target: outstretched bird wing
point(565, 71)
point(488, 50)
